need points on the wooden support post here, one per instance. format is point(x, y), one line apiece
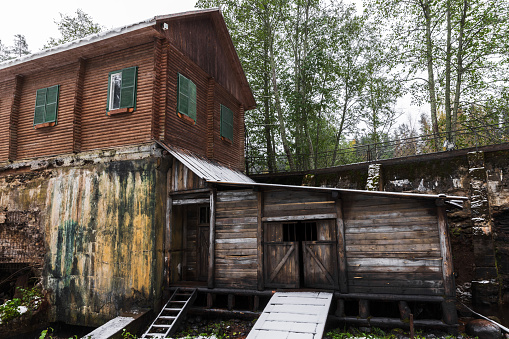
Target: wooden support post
point(364, 309)
point(78, 106)
point(212, 238)
point(231, 301)
point(256, 303)
point(340, 234)
point(450, 315)
point(14, 117)
point(340, 308)
point(404, 310)
point(168, 234)
point(411, 326)
point(210, 300)
point(259, 242)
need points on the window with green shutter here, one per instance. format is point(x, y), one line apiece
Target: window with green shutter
point(122, 90)
point(226, 123)
point(186, 101)
point(46, 106)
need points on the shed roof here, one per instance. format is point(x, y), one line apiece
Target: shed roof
point(206, 169)
point(344, 190)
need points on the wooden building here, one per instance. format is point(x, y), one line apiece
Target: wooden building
point(124, 151)
point(174, 78)
point(230, 237)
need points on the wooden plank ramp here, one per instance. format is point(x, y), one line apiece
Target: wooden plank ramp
point(172, 313)
point(293, 315)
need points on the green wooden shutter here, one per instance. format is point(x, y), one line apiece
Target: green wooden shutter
point(186, 101)
point(40, 106)
point(192, 100)
point(128, 87)
point(226, 123)
point(52, 103)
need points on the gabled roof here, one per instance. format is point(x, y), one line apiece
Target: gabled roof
point(204, 168)
point(126, 36)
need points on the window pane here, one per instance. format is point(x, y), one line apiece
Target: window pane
point(116, 81)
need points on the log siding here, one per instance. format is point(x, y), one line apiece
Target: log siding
point(202, 52)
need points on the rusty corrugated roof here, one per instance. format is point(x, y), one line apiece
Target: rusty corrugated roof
point(206, 169)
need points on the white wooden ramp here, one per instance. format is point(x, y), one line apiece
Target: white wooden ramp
point(293, 315)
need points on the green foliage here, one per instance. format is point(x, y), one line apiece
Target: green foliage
point(73, 28)
point(9, 310)
point(30, 298)
point(128, 335)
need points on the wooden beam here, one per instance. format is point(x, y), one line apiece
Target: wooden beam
point(199, 190)
point(177, 202)
point(14, 117)
point(167, 236)
point(340, 234)
point(300, 217)
point(448, 305)
point(445, 249)
point(210, 117)
point(259, 242)
point(212, 238)
point(364, 309)
point(78, 105)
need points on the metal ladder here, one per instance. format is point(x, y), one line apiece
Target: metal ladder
point(172, 313)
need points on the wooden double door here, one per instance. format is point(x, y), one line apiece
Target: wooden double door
point(301, 254)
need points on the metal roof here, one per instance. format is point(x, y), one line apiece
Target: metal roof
point(99, 36)
point(206, 169)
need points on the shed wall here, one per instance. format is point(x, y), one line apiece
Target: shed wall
point(392, 245)
point(236, 239)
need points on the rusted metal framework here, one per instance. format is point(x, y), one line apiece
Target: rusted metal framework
point(256, 160)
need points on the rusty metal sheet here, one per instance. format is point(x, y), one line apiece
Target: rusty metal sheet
point(205, 168)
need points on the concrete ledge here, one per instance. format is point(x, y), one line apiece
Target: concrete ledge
point(114, 328)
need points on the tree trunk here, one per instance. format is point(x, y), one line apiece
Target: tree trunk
point(460, 69)
point(266, 107)
point(448, 75)
point(431, 78)
point(282, 127)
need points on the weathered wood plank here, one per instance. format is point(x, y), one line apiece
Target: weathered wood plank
point(212, 238)
point(390, 229)
point(396, 262)
point(300, 217)
point(259, 244)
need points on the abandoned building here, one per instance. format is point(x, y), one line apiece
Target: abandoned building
point(121, 159)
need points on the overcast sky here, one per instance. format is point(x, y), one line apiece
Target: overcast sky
point(35, 19)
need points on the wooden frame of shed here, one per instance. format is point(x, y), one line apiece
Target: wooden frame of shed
point(363, 246)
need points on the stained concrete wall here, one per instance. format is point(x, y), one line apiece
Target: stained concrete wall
point(102, 215)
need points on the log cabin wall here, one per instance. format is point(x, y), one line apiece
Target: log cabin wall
point(236, 236)
point(102, 131)
point(392, 245)
point(51, 140)
point(230, 153)
point(202, 136)
point(6, 96)
point(199, 40)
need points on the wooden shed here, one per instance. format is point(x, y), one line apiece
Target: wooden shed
point(240, 237)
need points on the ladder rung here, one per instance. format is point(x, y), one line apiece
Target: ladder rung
point(162, 326)
point(172, 309)
point(178, 301)
point(166, 317)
